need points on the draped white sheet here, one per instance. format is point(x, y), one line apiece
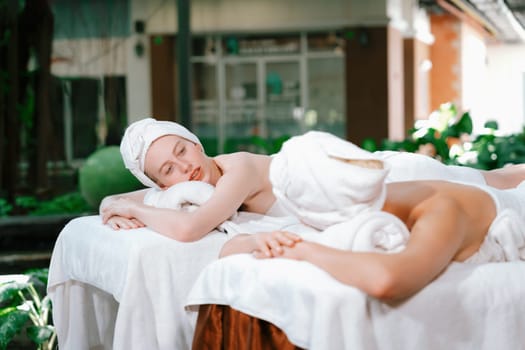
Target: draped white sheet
point(125, 290)
point(469, 306)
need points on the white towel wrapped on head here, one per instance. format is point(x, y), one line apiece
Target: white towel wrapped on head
point(313, 178)
point(138, 138)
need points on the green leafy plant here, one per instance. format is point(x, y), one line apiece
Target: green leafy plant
point(5, 207)
point(26, 202)
point(447, 136)
point(69, 203)
point(495, 151)
point(268, 146)
point(24, 308)
point(434, 135)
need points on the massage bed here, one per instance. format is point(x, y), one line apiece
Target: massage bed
point(468, 306)
point(135, 289)
point(126, 289)
point(243, 300)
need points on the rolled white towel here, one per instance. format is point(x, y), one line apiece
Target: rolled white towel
point(184, 196)
point(373, 231)
point(187, 196)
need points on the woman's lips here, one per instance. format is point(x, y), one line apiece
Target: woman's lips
point(196, 174)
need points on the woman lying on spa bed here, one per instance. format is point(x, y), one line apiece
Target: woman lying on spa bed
point(161, 154)
point(447, 222)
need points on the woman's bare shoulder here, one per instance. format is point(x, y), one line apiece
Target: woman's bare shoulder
point(242, 159)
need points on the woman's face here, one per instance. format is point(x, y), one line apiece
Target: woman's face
point(172, 159)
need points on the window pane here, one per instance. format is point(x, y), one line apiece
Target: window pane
point(206, 106)
point(283, 99)
point(326, 95)
point(261, 45)
point(325, 42)
point(241, 121)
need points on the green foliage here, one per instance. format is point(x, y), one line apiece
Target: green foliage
point(25, 307)
point(268, 146)
point(491, 124)
point(449, 138)
point(254, 144)
point(369, 144)
point(26, 202)
point(497, 151)
point(69, 203)
point(12, 321)
point(103, 174)
point(5, 207)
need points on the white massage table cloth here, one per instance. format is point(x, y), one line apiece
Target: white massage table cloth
point(478, 307)
point(124, 289)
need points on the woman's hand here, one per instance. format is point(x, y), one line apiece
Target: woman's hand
point(119, 222)
point(272, 244)
point(298, 251)
point(261, 245)
point(119, 207)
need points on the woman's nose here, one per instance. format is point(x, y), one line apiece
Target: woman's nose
point(184, 167)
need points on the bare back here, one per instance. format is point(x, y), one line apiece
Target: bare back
point(472, 208)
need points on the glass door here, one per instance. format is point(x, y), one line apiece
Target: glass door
point(251, 90)
point(241, 104)
point(283, 109)
point(326, 105)
point(206, 105)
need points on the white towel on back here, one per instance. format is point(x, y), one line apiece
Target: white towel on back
point(312, 179)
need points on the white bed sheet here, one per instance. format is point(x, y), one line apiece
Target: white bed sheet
point(126, 289)
point(467, 307)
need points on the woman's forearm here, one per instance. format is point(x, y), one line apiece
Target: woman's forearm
point(242, 243)
point(179, 225)
point(374, 273)
point(135, 196)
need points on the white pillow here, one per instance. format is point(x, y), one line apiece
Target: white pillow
point(184, 196)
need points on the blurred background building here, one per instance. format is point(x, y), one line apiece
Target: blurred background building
point(268, 68)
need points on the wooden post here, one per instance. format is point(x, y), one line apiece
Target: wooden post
point(183, 63)
point(10, 123)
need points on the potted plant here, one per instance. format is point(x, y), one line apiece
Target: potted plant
point(25, 310)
